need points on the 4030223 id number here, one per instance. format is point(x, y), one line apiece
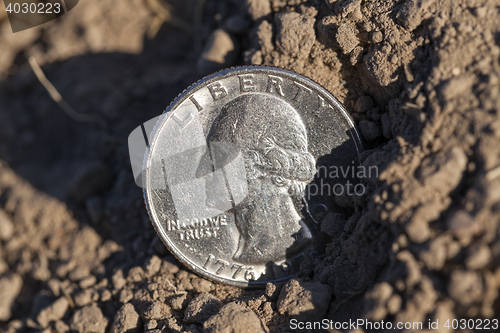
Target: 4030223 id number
point(484, 324)
point(34, 8)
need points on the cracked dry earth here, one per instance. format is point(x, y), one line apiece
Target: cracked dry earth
point(421, 80)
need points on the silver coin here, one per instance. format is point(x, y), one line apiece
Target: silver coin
point(236, 171)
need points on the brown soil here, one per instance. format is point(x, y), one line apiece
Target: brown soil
point(421, 79)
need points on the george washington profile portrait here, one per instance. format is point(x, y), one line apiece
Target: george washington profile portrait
point(273, 141)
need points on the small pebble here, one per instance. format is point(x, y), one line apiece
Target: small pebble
point(272, 291)
point(54, 286)
point(377, 37)
point(347, 38)
point(220, 52)
point(83, 298)
point(168, 267)
point(178, 301)
point(157, 310)
point(6, 226)
point(153, 266)
point(234, 318)
point(364, 103)
point(369, 130)
point(201, 308)
point(304, 300)
point(87, 282)
point(479, 256)
point(202, 285)
point(10, 286)
point(89, 319)
point(151, 324)
point(125, 295)
point(53, 312)
point(126, 320)
point(257, 9)
point(106, 295)
point(136, 274)
point(118, 279)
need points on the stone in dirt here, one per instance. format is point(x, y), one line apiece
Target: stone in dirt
point(272, 291)
point(87, 282)
point(347, 38)
point(465, 287)
point(84, 297)
point(369, 130)
point(168, 268)
point(304, 300)
point(126, 320)
point(264, 35)
point(294, 34)
point(135, 274)
point(178, 302)
point(220, 51)
point(202, 285)
point(364, 103)
point(53, 312)
point(235, 318)
point(118, 279)
point(257, 9)
point(463, 226)
point(478, 257)
point(157, 310)
point(6, 226)
point(201, 308)
point(10, 286)
point(61, 327)
point(444, 170)
point(89, 319)
point(152, 266)
point(413, 12)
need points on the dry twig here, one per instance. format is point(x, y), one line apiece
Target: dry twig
point(56, 96)
point(163, 14)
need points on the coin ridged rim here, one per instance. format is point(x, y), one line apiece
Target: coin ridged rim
point(202, 83)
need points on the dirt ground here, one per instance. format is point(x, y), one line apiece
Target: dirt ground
point(421, 79)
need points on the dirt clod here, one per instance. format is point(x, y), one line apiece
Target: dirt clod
point(369, 130)
point(201, 308)
point(304, 299)
point(89, 319)
point(257, 9)
point(53, 312)
point(6, 226)
point(294, 34)
point(234, 318)
point(346, 38)
point(221, 50)
point(10, 286)
point(126, 320)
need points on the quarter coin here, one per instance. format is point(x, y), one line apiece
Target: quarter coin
point(242, 167)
